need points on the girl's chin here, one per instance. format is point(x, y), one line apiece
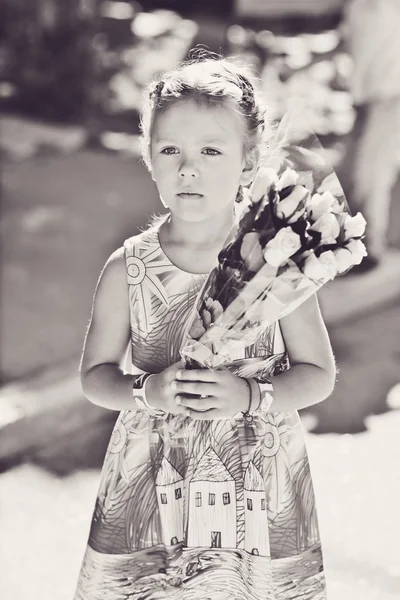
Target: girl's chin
point(191, 216)
point(191, 211)
point(190, 204)
point(199, 211)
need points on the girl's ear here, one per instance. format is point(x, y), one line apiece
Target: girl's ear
point(250, 166)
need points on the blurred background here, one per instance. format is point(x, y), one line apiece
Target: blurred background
point(73, 188)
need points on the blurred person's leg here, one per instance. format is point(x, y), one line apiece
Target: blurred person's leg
point(376, 167)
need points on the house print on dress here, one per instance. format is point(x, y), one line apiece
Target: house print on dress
point(212, 505)
point(169, 486)
point(256, 540)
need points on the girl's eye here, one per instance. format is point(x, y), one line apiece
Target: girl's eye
point(211, 152)
point(169, 150)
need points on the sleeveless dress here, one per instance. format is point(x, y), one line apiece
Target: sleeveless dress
point(190, 509)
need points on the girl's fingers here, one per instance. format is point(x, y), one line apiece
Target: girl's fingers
point(193, 388)
point(202, 416)
point(207, 375)
point(197, 404)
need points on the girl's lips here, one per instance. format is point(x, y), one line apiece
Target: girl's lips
point(189, 195)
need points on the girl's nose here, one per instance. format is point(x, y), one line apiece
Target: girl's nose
point(188, 169)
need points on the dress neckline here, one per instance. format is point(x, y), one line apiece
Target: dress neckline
point(157, 240)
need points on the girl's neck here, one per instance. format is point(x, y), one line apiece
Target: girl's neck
point(198, 235)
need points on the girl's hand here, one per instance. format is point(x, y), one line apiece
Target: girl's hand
point(160, 392)
point(224, 394)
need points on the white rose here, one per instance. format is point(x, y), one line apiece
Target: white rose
point(322, 268)
point(312, 268)
point(328, 227)
point(328, 261)
point(296, 216)
point(358, 250)
point(354, 227)
point(344, 259)
point(320, 204)
point(337, 207)
point(292, 204)
point(262, 183)
point(285, 243)
point(288, 177)
point(329, 197)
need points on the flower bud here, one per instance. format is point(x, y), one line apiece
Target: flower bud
point(328, 227)
point(287, 207)
point(354, 227)
point(285, 243)
point(358, 250)
point(262, 183)
point(344, 259)
point(288, 177)
point(319, 205)
point(322, 268)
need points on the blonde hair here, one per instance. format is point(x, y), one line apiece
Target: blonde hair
point(212, 80)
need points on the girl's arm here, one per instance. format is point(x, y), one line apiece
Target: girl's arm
point(107, 338)
point(312, 374)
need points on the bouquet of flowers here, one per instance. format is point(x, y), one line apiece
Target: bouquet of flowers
point(295, 234)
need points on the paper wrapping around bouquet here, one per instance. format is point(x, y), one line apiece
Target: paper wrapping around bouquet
point(252, 290)
point(220, 345)
point(272, 293)
point(204, 355)
point(295, 145)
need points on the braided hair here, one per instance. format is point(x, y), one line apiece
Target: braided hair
point(209, 79)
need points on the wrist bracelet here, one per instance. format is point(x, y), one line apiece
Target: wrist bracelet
point(139, 396)
point(246, 413)
point(267, 398)
point(256, 394)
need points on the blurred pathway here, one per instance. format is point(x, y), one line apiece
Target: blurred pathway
point(62, 216)
point(44, 521)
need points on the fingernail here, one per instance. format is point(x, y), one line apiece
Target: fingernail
point(178, 374)
point(174, 385)
point(178, 399)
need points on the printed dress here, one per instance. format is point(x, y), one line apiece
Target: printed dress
point(211, 510)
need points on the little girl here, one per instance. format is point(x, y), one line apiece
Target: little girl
point(196, 499)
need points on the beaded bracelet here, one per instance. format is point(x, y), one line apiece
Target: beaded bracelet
point(265, 394)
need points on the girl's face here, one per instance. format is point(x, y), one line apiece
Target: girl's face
point(198, 161)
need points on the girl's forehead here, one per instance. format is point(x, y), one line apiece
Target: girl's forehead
point(190, 118)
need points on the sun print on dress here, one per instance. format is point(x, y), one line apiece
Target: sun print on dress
point(190, 509)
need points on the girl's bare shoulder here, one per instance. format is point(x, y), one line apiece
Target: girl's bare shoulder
point(114, 270)
point(115, 265)
point(111, 288)
point(113, 275)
